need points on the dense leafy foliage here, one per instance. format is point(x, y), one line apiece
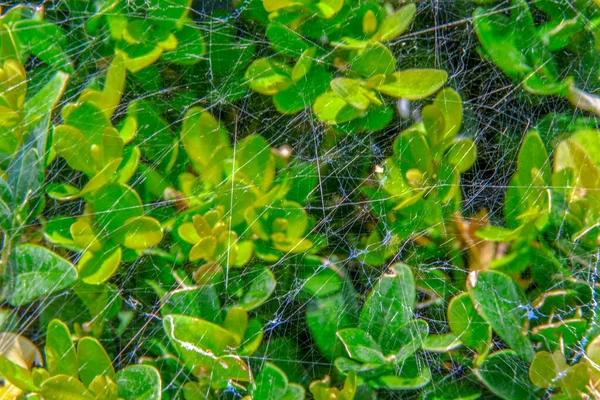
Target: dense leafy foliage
point(154, 248)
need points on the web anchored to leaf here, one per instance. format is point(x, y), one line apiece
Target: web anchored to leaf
point(289, 199)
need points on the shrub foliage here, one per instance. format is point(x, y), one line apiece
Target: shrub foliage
point(166, 233)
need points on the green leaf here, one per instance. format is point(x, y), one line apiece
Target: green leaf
point(26, 176)
point(62, 191)
point(190, 46)
point(294, 392)
point(285, 41)
point(50, 273)
point(407, 339)
point(413, 84)
point(467, 325)
point(268, 77)
point(441, 343)
point(93, 360)
point(462, 154)
point(331, 109)
point(139, 382)
point(500, 302)
point(45, 99)
point(202, 135)
point(61, 387)
point(413, 375)
point(197, 302)
point(433, 121)
point(199, 342)
point(323, 282)
point(505, 374)
point(261, 287)
point(139, 233)
point(360, 346)
point(167, 13)
point(374, 59)
point(305, 91)
point(494, 33)
point(72, 145)
point(46, 40)
point(304, 64)
point(114, 205)
point(255, 161)
point(390, 304)
point(395, 24)
point(352, 92)
point(17, 375)
point(450, 103)
point(543, 369)
point(61, 357)
point(533, 156)
point(324, 318)
point(271, 383)
point(95, 268)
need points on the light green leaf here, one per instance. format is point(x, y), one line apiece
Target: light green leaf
point(255, 161)
point(62, 191)
point(95, 268)
point(374, 59)
point(199, 342)
point(331, 109)
point(115, 204)
point(139, 233)
point(45, 99)
point(450, 103)
point(462, 154)
point(395, 24)
point(441, 343)
point(352, 92)
point(61, 387)
point(304, 64)
point(60, 352)
point(93, 360)
point(268, 77)
point(413, 84)
point(202, 135)
point(70, 144)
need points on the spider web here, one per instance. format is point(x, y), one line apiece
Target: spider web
point(497, 113)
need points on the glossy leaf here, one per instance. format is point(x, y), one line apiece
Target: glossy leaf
point(390, 304)
point(139, 382)
point(50, 273)
point(498, 299)
point(505, 374)
point(413, 84)
point(93, 360)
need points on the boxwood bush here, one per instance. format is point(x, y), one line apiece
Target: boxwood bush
point(290, 199)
